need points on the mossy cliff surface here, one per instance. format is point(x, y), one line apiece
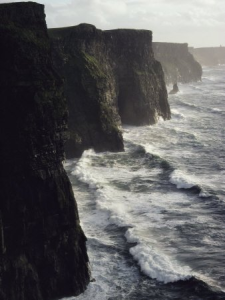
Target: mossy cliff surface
point(42, 246)
point(209, 56)
point(178, 64)
point(110, 76)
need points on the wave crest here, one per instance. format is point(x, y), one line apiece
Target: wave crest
point(154, 264)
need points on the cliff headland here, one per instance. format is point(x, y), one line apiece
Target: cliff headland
point(110, 77)
point(209, 56)
point(42, 246)
point(178, 64)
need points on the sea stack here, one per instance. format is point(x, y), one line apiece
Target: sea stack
point(42, 246)
point(175, 89)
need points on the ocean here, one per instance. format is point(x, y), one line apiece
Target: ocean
point(154, 215)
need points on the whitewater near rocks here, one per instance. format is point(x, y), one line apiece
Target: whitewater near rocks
point(155, 214)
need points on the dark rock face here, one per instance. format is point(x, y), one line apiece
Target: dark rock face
point(209, 56)
point(42, 246)
point(175, 89)
point(178, 64)
point(142, 95)
point(109, 76)
point(80, 55)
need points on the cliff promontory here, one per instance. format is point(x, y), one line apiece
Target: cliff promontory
point(42, 246)
point(209, 56)
point(110, 77)
point(178, 64)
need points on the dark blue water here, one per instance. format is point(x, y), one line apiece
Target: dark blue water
point(155, 214)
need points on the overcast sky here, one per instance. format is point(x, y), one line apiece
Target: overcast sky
point(200, 23)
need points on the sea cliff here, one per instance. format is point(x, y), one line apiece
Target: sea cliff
point(111, 77)
point(209, 56)
point(42, 246)
point(178, 64)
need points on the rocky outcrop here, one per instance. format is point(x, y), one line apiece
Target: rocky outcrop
point(42, 246)
point(210, 56)
point(178, 64)
point(175, 89)
point(110, 76)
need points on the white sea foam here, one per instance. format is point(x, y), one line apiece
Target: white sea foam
point(154, 263)
point(204, 194)
point(117, 209)
point(81, 170)
point(216, 110)
point(176, 114)
point(182, 180)
point(121, 213)
point(152, 150)
point(142, 212)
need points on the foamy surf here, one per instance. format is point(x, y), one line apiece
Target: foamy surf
point(154, 263)
point(176, 114)
point(182, 180)
point(172, 235)
point(81, 169)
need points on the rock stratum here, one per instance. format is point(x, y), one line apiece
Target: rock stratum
point(178, 64)
point(111, 77)
point(209, 56)
point(42, 246)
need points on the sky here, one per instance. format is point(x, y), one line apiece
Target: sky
point(200, 23)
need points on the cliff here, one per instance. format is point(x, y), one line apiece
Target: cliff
point(178, 64)
point(110, 76)
point(42, 246)
point(210, 56)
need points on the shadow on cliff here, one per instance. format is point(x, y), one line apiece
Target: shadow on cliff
point(42, 246)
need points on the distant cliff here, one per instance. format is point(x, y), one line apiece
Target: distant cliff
point(178, 64)
point(210, 56)
point(42, 246)
point(110, 76)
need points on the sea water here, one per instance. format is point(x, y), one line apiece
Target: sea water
point(154, 215)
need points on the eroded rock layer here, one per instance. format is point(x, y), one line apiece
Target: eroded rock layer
point(178, 64)
point(42, 246)
point(110, 76)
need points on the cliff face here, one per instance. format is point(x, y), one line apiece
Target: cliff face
point(80, 55)
point(109, 76)
point(142, 95)
point(42, 246)
point(210, 56)
point(178, 64)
